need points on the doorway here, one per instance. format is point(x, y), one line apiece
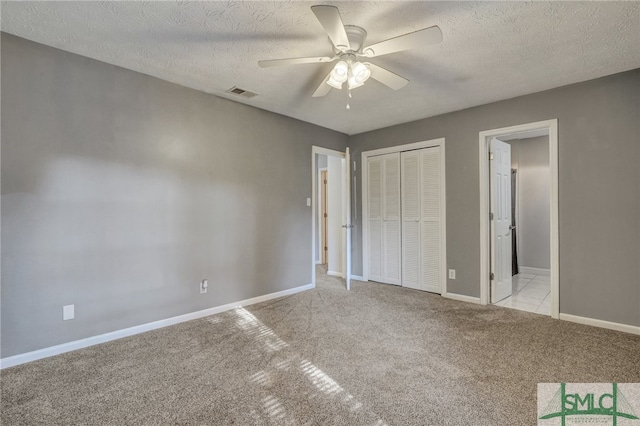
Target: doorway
point(519, 217)
point(331, 213)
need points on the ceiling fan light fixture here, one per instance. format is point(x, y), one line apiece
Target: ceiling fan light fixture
point(339, 75)
point(340, 71)
point(353, 83)
point(334, 83)
point(360, 72)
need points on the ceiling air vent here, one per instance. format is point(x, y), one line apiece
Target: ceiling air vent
point(241, 92)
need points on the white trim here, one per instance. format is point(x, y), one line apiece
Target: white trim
point(483, 158)
point(118, 334)
point(443, 219)
point(406, 147)
point(365, 209)
point(329, 152)
point(319, 216)
point(357, 277)
point(462, 298)
point(534, 271)
point(335, 274)
point(395, 285)
point(554, 250)
point(601, 323)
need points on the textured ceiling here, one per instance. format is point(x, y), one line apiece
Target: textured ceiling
point(491, 51)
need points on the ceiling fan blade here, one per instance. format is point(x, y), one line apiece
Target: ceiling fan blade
point(387, 77)
point(431, 35)
point(324, 88)
point(293, 61)
point(329, 17)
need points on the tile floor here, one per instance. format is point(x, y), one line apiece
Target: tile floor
point(530, 293)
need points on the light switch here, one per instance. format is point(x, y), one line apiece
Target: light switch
point(68, 312)
point(308, 202)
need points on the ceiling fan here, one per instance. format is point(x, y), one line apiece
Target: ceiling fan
point(348, 48)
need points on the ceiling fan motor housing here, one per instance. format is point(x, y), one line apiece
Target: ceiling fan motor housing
point(357, 36)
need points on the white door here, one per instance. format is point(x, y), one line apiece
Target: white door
point(347, 219)
point(431, 219)
point(391, 218)
point(383, 197)
point(410, 184)
point(422, 212)
point(500, 187)
point(374, 199)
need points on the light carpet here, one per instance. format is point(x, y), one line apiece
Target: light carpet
point(377, 355)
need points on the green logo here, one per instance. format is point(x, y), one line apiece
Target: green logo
point(612, 404)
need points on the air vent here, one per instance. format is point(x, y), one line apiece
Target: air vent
point(241, 92)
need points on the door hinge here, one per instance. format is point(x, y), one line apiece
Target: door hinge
point(325, 181)
point(325, 249)
point(491, 276)
point(325, 215)
point(491, 216)
point(491, 156)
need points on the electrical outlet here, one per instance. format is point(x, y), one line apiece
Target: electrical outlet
point(68, 312)
point(452, 274)
point(204, 285)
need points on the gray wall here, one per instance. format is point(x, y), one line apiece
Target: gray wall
point(599, 179)
point(120, 192)
point(531, 158)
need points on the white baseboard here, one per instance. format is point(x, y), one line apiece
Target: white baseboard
point(533, 271)
point(318, 262)
point(335, 274)
point(462, 297)
point(601, 323)
point(118, 334)
point(357, 277)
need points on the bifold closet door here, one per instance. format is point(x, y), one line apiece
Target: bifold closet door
point(374, 197)
point(421, 219)
point(410, 192)
point(431, 220)
point(384, 218)
point(391, 218)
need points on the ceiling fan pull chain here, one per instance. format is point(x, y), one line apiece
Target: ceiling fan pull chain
point(349, 92)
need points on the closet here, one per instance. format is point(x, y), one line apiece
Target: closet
point(405, 218)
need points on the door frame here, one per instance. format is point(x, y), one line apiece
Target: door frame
point(443, 203)
point(320, 221)
point(314, 200)
point(484, 137)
